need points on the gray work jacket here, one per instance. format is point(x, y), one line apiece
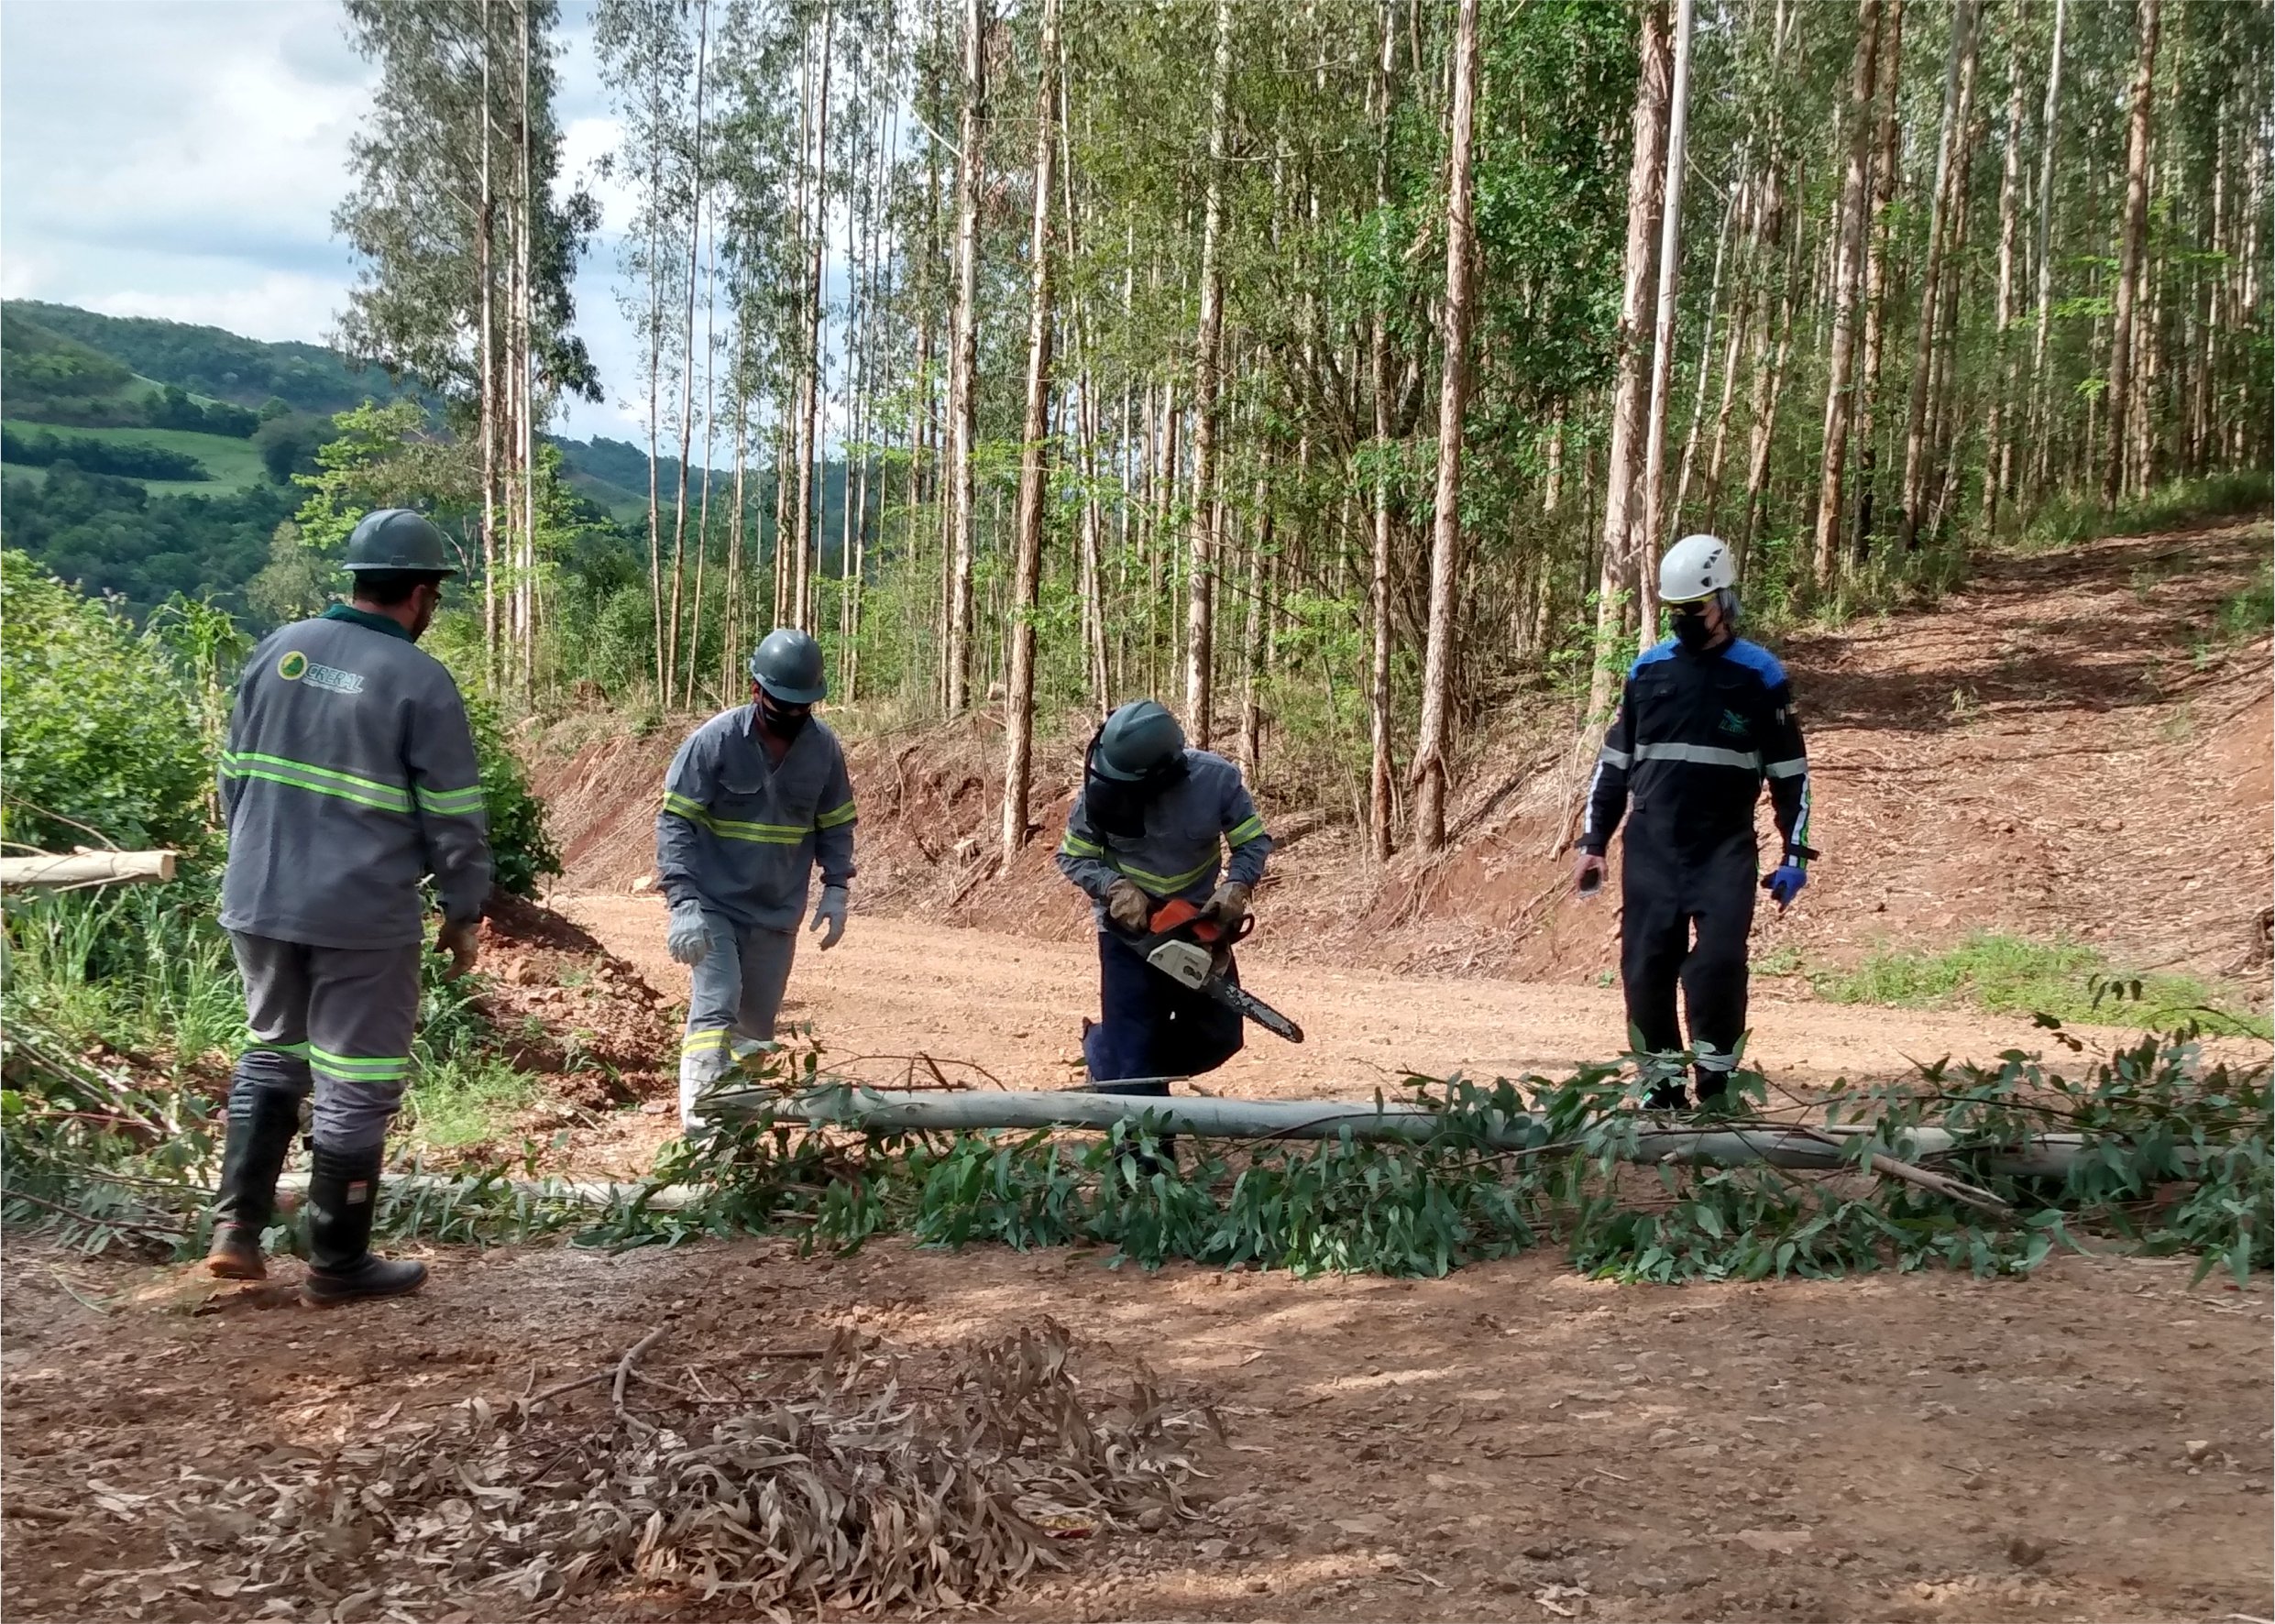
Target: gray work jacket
point(740, 834)
point(1178, 855)
point(349, 775)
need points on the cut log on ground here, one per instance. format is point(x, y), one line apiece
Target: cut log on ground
point(68, 870)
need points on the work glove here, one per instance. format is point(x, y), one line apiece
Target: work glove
point(687, 937)
point(830, 912)
point(1785, 882)
point(1127, 906)
point(462, 940)
point(1228, 905)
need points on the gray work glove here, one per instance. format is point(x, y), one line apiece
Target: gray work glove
point(830, 912)
point(1129, 906)
point(687, 937)
point(1228, 905)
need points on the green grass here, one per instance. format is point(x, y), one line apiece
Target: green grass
point(2246, 614)
point(234, 465)
point(2012, 975)
point(468, 1098)
point(2068, 521)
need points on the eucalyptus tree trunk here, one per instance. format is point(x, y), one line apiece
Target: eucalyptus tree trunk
point(1887, 163)
point(1997, 427)
point(802, 583)
point(2136, 226)
point(1654, 536)
point(687, 379)
point(2042, 414)
point(1839, 371)
point(711, 439)
point(1776, 344)
point(962, 403)
point(1732, 209)
point(485, 228)
point(1958, 72)
point(1615, 605)
point(1208, 357)
point(1430, 772)
point(1034, 468)
point(1379, 797)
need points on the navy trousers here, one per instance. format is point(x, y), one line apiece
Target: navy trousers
point(1149, 1028)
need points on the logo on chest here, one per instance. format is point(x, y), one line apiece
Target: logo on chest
point(1735, 725)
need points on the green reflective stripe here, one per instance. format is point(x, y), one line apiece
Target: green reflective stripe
point(320, 789)
point(728, 828)
point(450, 803)
point(383, 1068)
point(831, 819)
point(254, 1041)
point(1163, 885)
point(1073, 845)
point(1240, 834)
point(696, 1043)
point(349, 780)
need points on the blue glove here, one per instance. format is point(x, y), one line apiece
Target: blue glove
point(687, 937)
point(830, 916)
point(1785, 883)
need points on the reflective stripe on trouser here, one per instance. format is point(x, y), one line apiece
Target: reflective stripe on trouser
point(1666, 896)
point(338, 1019)
point(1151, 1027)
point(733, 999)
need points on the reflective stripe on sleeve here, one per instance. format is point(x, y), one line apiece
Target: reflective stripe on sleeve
point(450, 803)
point(1613, 758)
point(1072, 845)
point(1792, 769)
point(322, 781)
point(1247, 829)
point(831, 819)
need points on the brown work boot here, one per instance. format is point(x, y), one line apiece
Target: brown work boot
point(236, 1254)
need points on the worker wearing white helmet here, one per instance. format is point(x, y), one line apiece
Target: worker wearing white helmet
point(1705, 719)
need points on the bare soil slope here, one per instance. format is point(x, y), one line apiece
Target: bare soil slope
point(2061, 749)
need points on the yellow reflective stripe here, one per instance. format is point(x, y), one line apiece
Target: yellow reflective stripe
point(1073, 845)
point(764, 834)
point(291, 781)
point(1163, 885)
point(1241, 833)
point(831, 819)
point(696, 1043)
point(375, 1068)
point(450, 803)
point(323, 779)
point(255, 1040)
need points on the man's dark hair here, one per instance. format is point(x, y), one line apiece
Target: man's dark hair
point(388, 587)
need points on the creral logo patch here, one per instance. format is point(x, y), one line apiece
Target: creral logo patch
point(296, 666)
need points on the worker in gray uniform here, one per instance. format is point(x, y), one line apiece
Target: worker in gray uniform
point(349, 777)
point(756, 799)
point(1156, 821)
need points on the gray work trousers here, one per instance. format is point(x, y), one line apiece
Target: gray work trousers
point(734, 996)
point(338, 1019)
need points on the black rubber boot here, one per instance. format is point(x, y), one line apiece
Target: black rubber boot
point(1713, 1088)
point(262, 1124)
point(1666, 1096)
point(343, 1194)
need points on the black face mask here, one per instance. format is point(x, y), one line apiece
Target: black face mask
point(1690, 630)
point(1116, 808)
point(786, 722)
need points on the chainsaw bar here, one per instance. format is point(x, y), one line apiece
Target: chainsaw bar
point(1254, 1008)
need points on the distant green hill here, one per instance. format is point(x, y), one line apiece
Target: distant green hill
point(209, 361)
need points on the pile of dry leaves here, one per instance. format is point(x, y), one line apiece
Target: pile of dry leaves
point(858, 1485)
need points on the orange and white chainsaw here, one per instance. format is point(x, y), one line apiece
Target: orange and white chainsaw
point(1193, 951)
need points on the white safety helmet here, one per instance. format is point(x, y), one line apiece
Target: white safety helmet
point(1695, 568)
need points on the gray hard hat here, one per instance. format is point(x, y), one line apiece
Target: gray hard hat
point(397, 539)
point(789, 666)
point(1139, 738)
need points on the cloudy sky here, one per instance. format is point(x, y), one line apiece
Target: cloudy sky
point(182, 158)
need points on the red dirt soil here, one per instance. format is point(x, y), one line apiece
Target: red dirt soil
point(2091, 1444)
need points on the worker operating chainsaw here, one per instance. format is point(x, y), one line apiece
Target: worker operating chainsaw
point(756, 799)
point(1705, 719)
point(1150, 830)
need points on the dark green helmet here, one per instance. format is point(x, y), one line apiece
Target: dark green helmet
point(787, 665)
point(397, 539)
point(1138, 739)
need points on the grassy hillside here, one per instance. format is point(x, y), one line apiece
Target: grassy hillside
point(209, 361)
point(233, 464)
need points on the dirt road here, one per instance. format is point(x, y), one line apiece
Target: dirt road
point(898, 987)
